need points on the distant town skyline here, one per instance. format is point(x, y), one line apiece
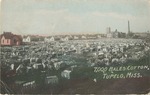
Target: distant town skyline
point(52, 17)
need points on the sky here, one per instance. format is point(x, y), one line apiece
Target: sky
point(51, 17)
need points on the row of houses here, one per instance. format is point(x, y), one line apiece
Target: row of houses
point(62, 38)
point(115, 34)
point(110, 34)
point(10, 39)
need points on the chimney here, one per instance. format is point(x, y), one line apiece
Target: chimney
point(128, 27)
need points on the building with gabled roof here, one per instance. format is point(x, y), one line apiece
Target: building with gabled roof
point(10, 39)
point(49, 39)
point(31, 38)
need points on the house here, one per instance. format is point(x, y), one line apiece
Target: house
point(49, 39)
point(10, 39)
point(65, 38)
point(52, 38)
point(26, 39)
point(144, 34)
point(30, 38)
point(92, 37)
point(75, 37)
point(99, 36)
point(83, 37)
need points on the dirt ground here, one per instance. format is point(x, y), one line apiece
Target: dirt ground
point(88, 86)
point(113, 86)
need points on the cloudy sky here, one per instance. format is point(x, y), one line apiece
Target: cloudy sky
point(47, 17)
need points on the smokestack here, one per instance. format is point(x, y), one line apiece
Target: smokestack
point(128, 27)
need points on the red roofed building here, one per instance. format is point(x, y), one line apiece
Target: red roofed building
point(9, 39)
